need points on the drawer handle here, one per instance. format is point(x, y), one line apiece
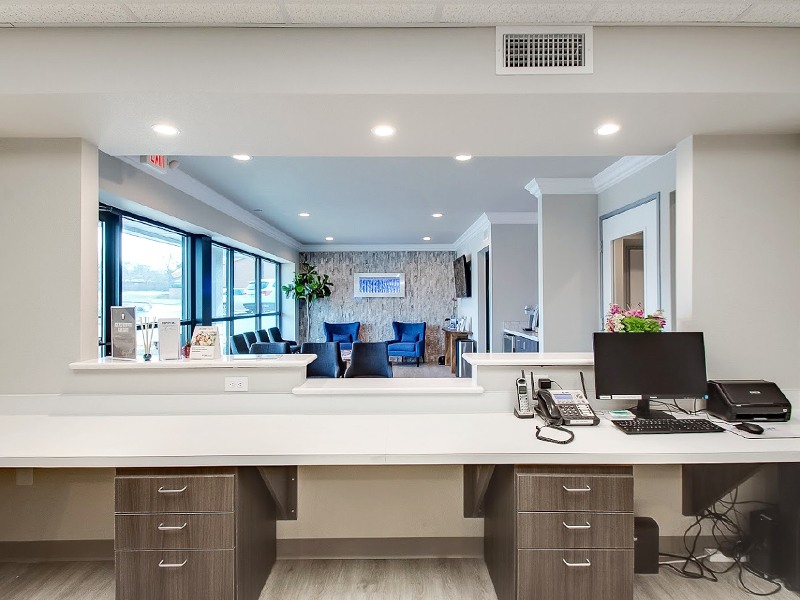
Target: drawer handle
point(586, 563)
point(587, 526)
point(162, 527)
point(161, 490)
point(164, 565)
point(585, 488)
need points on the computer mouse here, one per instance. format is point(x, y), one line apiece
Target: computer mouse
point(750, 428)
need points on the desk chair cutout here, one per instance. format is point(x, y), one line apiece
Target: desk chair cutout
point(239, 344)
point(329, 361)
point(344, 333)
point(409, 340)
point(369, 359)
point(275, 336)
point(270, 348)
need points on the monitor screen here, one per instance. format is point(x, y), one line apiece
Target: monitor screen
point(650, 365)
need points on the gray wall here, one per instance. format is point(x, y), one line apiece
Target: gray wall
point(429, 290)
point(569, 272)
point(514, 276)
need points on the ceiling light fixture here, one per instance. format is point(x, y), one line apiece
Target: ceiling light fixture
point(463, 157)
point(242, 157)
point(427, 238)
point(329, 239)
point(165, 129)
point(383, 131)
point(437, 215)
point(607, 129)
point(303, 214)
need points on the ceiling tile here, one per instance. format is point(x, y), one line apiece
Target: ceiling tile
point(360, 14)
point(216, 13)
point(63, 13)
point(773, 12)
point(669, 12)
point(516, 13)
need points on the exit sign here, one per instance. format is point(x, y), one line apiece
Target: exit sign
point(155, 161)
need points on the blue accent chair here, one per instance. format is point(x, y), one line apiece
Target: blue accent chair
point(344, 333)
point(409, 340)
point(369, 359)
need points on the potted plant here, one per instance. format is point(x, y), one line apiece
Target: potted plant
point(308, 285)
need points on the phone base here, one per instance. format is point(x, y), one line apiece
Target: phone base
point(524, 415)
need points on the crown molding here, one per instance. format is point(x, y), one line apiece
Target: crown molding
point(512, 218)
point(189, 185)
point(560, 186)
point(378, 248)
point(621, 170)
point(533, 189)
point(476, 228)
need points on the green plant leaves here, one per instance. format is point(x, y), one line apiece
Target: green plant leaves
point(308, 284)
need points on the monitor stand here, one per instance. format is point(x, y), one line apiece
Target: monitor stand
point(642, 410)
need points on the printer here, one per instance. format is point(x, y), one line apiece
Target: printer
point(747, 400)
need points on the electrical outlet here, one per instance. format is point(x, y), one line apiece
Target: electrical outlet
point(236, 384)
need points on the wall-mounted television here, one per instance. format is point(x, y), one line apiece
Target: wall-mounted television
point(463, 277)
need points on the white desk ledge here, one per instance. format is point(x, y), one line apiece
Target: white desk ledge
point(542, 359)
point(400, 386)
point(243, 361)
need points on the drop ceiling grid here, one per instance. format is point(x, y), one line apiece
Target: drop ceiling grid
point(395, 12)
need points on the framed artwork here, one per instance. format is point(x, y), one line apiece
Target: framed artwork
point(379, 285)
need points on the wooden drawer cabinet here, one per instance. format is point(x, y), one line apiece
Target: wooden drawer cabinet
point(576, 574)
point(560, 533)
point(192, 534)
point(174, 531)
point(574, 530)
point(157, 575)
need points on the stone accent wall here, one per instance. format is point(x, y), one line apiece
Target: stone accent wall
point(429, 291)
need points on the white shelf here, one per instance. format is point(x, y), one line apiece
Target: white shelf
point(542, 359)
point(244, 361)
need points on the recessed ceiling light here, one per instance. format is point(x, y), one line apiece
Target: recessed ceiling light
point(607, 129)
point(463, 157)
point(383, 131)
point(242, 157)
point(165, 129)
point(329, 239)
point(427, 238)
point(303, 214)
point(437, 215)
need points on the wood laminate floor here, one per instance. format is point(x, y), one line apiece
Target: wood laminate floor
point(421, 579)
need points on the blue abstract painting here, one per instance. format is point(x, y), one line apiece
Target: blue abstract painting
point(371, 285)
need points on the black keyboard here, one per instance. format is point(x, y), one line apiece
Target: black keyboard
point(635, 426)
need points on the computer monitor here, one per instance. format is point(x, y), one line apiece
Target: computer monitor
point(649, 366)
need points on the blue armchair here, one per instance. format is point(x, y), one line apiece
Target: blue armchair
point(409, 340)
point(344, 333)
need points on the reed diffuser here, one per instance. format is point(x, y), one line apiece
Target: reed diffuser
point(148, 327)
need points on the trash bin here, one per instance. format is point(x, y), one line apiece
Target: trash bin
point(463, 368)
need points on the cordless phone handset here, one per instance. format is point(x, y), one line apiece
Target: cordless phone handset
point(523, 409)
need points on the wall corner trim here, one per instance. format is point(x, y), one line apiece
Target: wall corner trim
point(621, 170)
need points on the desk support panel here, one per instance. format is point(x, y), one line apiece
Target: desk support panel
point(281, 483)
point(476, 482)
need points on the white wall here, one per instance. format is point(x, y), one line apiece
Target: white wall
point(474, 306)
point(568, 272)
point(657, 177)
point(514, 273)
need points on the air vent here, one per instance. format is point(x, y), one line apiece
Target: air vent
point(544, 50)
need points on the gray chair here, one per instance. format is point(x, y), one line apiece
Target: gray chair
point(251, 337)
point(263, 336)
point(275, 336)
point(269, 348)
point(239, 344)
point(369, 359)
point(329, 361)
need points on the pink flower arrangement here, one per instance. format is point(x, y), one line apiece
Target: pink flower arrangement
point(633, 320)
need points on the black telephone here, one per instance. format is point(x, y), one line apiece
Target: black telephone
point(565, 407)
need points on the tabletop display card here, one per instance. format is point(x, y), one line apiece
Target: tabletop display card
point(205, 343)
point(123, 332)
point(169, 339)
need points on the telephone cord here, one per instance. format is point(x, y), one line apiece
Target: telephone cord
point(539, 435)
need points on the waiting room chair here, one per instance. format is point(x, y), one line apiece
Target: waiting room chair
point(409, 340)
point(270, 348)
point(263, 336)
point(251, 337)
point(275, 336)
point(239, 344)
point(369, 359)
point(329, 361)
point(344, 333)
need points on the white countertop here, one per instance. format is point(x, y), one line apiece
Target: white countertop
point(531, 335)
point(369, 386)
point(544, 359)
point(235, 361)
point(215, 440)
